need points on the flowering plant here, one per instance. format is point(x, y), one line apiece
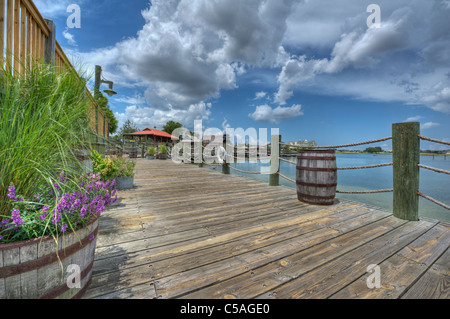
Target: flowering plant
point(54, 209)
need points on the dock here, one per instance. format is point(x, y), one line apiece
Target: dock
point(191, 232)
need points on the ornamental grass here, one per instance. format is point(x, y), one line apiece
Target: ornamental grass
point(43, 124)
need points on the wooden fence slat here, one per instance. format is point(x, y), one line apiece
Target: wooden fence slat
point(33, 39)
point(23, 16)
point(2, 30)
point(9, 33)
point(28, 57)
point(16, 35)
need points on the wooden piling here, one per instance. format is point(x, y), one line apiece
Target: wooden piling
point(406, 157)
point(275, 151)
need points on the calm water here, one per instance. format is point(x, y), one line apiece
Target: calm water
point(432, 184)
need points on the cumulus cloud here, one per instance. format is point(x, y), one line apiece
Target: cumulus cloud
point(358, 49)
point(265, 113)
point(144, 116)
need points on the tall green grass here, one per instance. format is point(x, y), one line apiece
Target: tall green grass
point(43, 122)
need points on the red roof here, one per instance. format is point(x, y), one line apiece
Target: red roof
point(150, 131)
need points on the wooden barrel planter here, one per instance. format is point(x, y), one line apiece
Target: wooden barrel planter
point(39, 268)
point(316, 176)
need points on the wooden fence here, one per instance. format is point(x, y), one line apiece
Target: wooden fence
point(29, 38)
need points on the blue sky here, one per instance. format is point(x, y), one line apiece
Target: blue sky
point(313, 69)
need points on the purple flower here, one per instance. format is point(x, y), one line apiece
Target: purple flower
point(15, 215)
point(44, 212)
point(12, 194)
point(83, 212)
point(63, 228)
point(92, 237)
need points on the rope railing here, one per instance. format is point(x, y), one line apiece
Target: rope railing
point(431, 199)
point(364, 167)
point(286, 178)
point(433, 140)
point(434, 169)
point(366, 192)
point(285, 160)
point(246, 172)
point(341, 146)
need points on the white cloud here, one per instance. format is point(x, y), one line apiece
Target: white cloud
point(69, 37)
point(413, 118)
point(260, 95)
point(265, 113)
point(428, 125)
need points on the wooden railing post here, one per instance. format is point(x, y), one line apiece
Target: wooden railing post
point(275, 151)
point(406, 157)
point(50, 44)
point(225, 164)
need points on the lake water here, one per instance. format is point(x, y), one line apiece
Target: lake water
point(432, 184)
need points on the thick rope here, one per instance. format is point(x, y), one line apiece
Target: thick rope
point(366, 192)
point(287, 178)
point(433, 140)
point(368, 166)
point(285, 160)
point(340, 146)
point(357, 144)
point(437, 170)
point(233, 168)
point(434, 200)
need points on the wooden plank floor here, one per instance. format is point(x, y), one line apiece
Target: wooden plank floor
point(189, 232)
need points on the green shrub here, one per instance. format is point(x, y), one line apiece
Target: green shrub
point(162, 149)
point(151, 151)
point(111, 167)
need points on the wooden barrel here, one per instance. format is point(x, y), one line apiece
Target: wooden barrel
point(316, 176)
point(42, 269)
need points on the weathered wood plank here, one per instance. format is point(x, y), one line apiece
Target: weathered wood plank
point(400, 271)
point(324, 281)
point(435, 283)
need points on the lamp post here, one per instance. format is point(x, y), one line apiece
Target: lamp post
point(109, 91)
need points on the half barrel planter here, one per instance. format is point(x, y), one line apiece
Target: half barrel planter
point(316, 176)
point(39, 268)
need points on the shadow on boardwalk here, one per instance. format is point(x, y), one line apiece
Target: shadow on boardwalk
point(189, 232)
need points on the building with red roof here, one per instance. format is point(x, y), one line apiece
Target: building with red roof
point(152, 135)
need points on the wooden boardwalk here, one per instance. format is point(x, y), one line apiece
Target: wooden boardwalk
point(189, 232)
